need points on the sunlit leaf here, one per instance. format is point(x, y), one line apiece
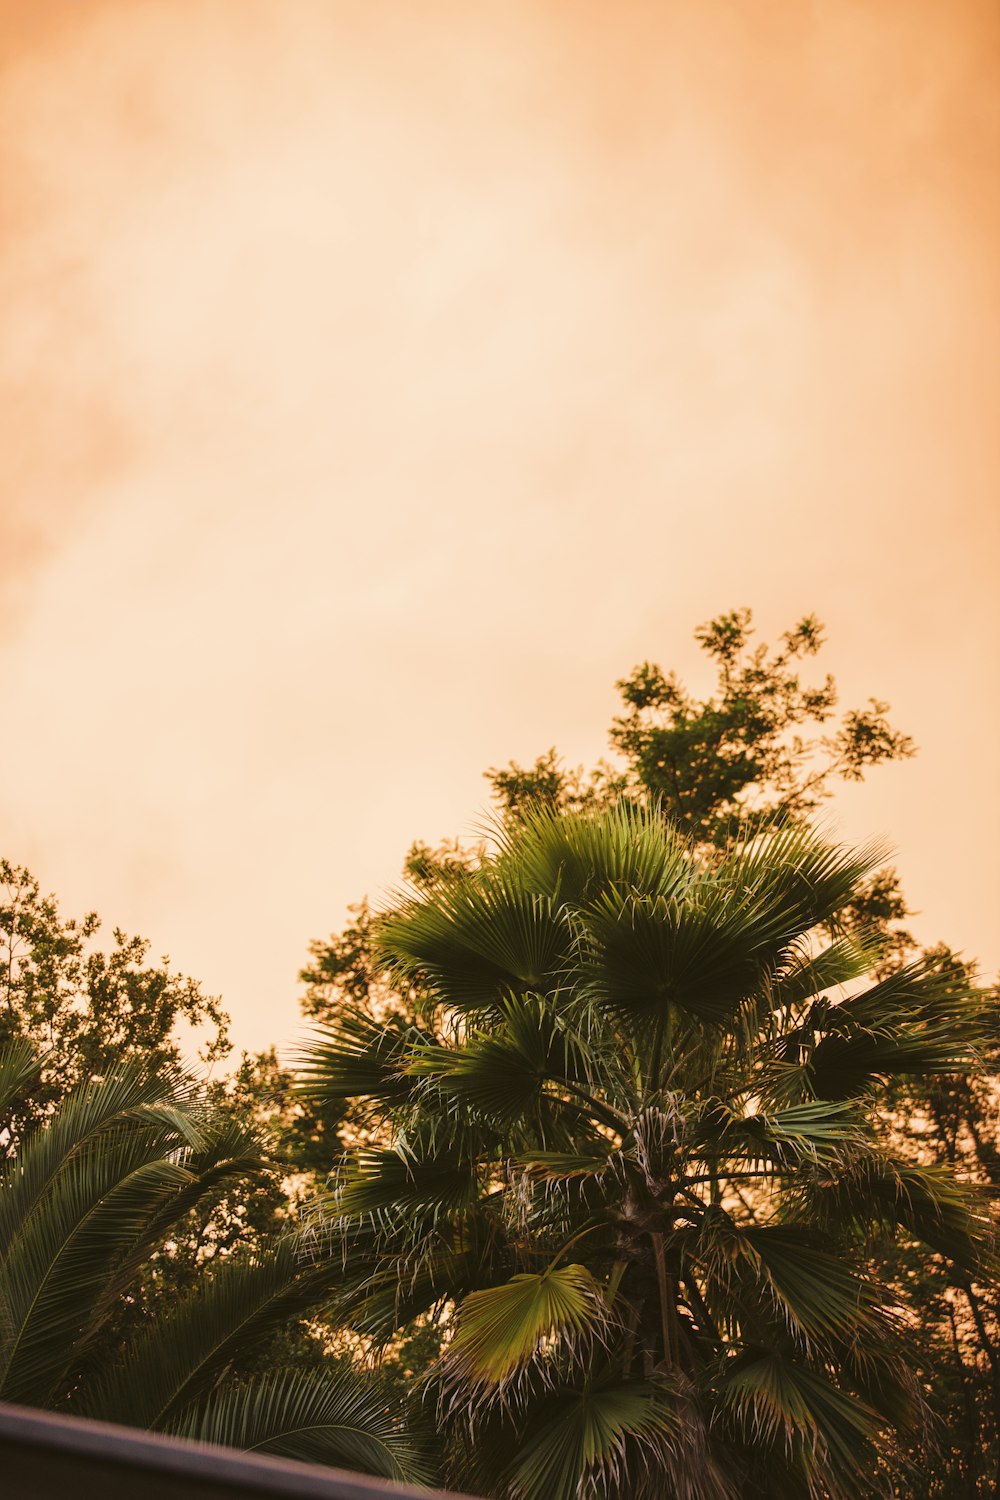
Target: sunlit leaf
point(500, 1328)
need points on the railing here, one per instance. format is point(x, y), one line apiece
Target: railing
point(46, 1456)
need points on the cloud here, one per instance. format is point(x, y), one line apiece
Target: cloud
point(382, 380)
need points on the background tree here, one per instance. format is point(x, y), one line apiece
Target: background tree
point(83, 1008)
point(953, 1122)
point(765, 745)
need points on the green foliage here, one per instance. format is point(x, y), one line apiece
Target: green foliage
point(605, 1437)
point(756, 747)
point(333, 1417)
point(951, 1122)
point(630, 1148)
point(499, 1329)
point(89, 1195)
point(548, 784)
point(765, 746)
point(85, 1009)
point(766, 743)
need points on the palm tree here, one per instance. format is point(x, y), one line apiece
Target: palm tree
point(628, 1149)
point(87, 1198)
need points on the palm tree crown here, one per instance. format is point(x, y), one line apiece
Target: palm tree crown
point(628, 1145)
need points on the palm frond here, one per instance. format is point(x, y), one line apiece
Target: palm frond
point(245, 1301)
point(571, 860)
point(561, 1166)
point(881, 1193)
point(477, 940)
point(81, 1206)
point(916, 1021)
point(731, 931)
point(130, 1092)
point(502, 1073)
point(641, 1439)
point(641, 955)
point(818, 1131)
point(394, 1182)
point(798, 877)
point(333, 1416)
point(19, 1065)
point(815, 1292)
point(66, 1259)
point(828, 1435)
point(788, 1280)
point(230, 1153)
point(842, 962)
point(359, 1057)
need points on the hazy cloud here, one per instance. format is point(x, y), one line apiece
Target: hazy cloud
point(382, 381)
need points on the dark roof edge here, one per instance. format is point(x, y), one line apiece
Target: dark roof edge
point(25, 1431)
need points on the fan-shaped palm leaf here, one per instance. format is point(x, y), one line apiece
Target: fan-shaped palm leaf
point(501, 1328)
point(570, 860)
point(481, 938)
point(825, 1431)
point(362, 1057)
point(637, 1438)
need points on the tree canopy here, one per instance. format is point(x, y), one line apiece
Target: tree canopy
point(629, 1142)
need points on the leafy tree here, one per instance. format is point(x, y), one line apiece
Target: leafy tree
point(87, 1197)
point(629, 1141)
point(764, 746)
point(82, 1008)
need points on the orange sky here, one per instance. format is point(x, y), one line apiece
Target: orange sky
point(382, 380)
